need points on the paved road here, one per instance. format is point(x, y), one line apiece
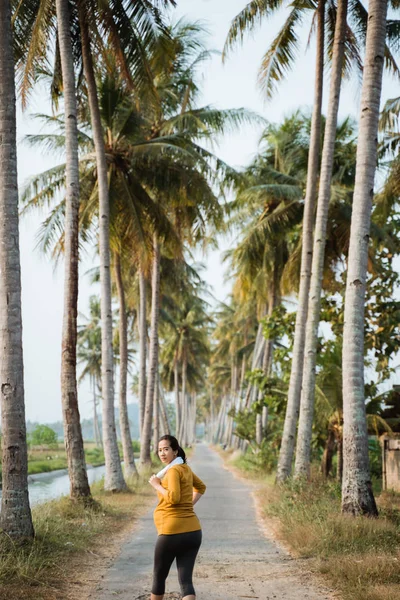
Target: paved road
point(236, 560)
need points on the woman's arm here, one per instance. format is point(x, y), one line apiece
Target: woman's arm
point(196, 497)
point(198, 488)
point(172, 492)
point(155, 482)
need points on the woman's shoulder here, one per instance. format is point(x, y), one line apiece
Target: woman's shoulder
point(182, 468)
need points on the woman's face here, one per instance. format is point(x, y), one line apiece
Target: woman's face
point(165, 452)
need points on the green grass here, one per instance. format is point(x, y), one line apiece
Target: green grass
point(359, 557)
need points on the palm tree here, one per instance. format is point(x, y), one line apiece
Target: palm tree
point(172, 108)
point(277, 61)
point(357, 495)
point(16, 518)
point(79, 485)
point(89, 356)
point(152, 379)
point(303, 449)
point(127, 448)
point(114, 480)
point(35, 27)
point(185, 328)
point(296, 374)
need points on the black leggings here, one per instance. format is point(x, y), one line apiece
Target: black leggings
point(182, 546)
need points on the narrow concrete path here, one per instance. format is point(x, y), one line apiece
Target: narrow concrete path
point(236, 560)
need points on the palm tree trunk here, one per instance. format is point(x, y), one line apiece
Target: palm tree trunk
point(326, 464)
point(183, 424)
point(145, 457)
point(79, 485)
point(257, 355)
point(127, 448)
point(357, 495)
point(194, 411)
point(219, 432)
point(339, 472)
point(212, 416)
point(156, 417)
point(303, 448)
point(296, 374)
point(114, 480)
point(177, 403)
point(164, 416)
point(96, 429)
point(142, 324)
point(16, 519)
point(262, 418)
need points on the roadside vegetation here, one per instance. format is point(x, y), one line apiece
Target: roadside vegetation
point(358, 558)
point(68, 536)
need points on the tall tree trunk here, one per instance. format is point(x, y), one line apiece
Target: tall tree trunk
point(127, 448)
point(357, 495)
point(257, 356)
point(145, 458)
point(220, 431)
point(296, 374)
point(142, 324)
point(16, 519)
point(79, 485)
point(97, 431)
point(339, 472)
point(183, 424)
point(156, 417)
point(194, 411)
point(303, 448)
point(326, 464)
point(114, 480)
point(212, 416)
point(262, 418)
point(177, 403)
point(164, 416)
point(232, 405)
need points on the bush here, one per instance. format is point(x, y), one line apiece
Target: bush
point(43, 435)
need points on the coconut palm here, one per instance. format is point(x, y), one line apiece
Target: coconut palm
point(172, 106)
point(79, 485)
point(303, 449)
point(127, 28)
point(276, 63)
point(269, 207)
point(89, 357)
point(130, 469)
point(185, 348)
point(357, 495)
point(16, 519)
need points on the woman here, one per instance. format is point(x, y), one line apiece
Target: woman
point(178, 528)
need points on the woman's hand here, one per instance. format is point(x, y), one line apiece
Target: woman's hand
point(155, 482)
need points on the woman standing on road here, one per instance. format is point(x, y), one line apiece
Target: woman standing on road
point(178, 528)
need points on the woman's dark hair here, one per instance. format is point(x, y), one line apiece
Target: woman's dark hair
point(174, 445)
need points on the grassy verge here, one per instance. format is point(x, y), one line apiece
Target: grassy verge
point(359, 557)
point(67, 535)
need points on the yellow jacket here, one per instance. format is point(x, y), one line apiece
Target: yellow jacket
point(174, 513)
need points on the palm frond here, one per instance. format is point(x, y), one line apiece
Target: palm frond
point(280, 56)
point(247, 20)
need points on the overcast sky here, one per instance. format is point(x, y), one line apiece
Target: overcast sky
point(226, 86)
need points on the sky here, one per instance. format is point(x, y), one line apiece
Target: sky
point(229, 85)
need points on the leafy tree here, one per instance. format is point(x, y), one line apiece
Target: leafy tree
point(43, 435)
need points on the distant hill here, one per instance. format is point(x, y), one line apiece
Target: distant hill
point(87, 425)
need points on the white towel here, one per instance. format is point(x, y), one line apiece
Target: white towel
point(177, 461)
